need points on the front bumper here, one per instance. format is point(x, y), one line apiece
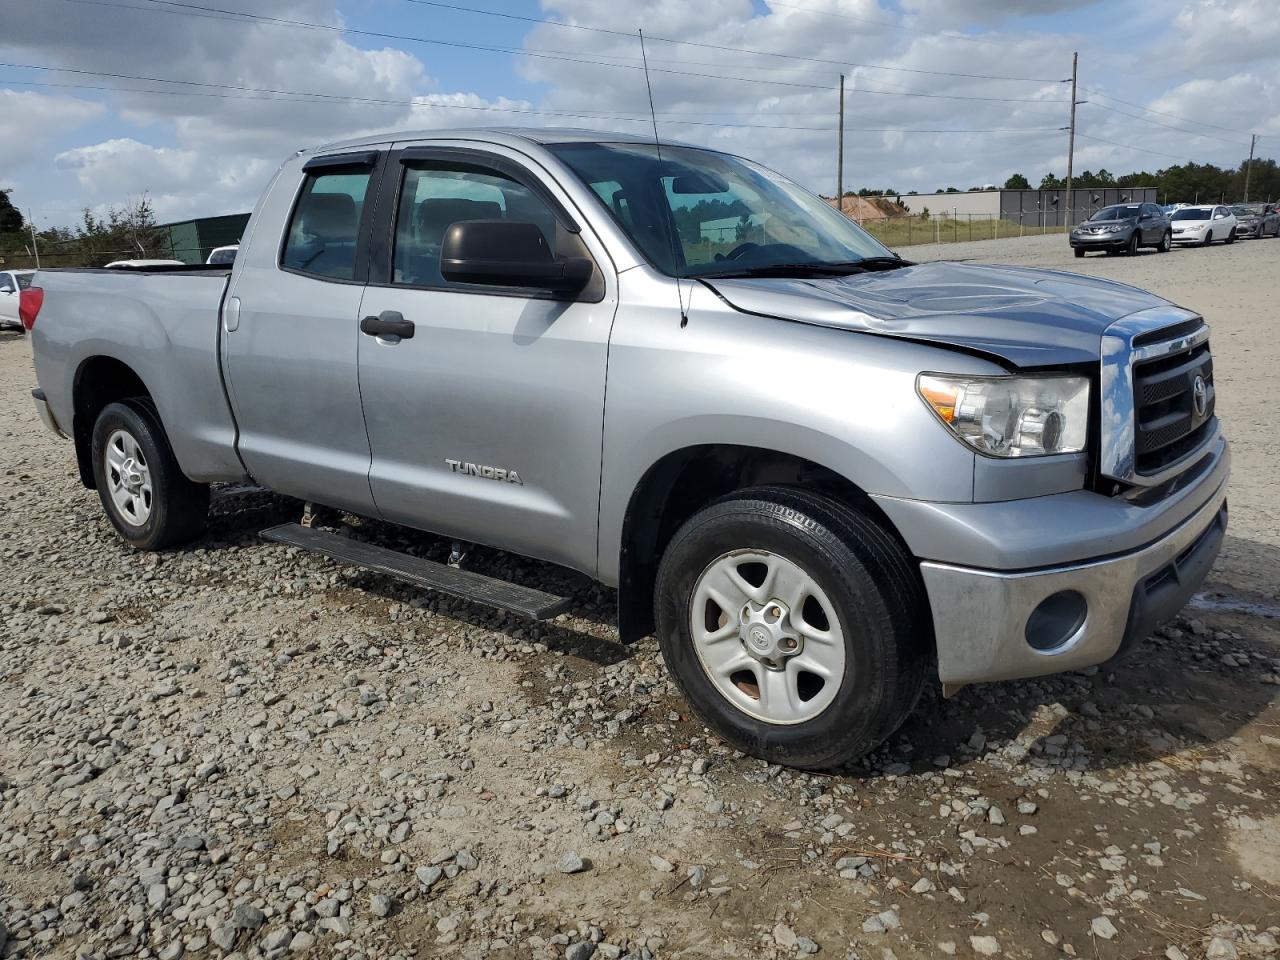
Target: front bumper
point(983, 618)
point(1189, 236)
point(1102, 241)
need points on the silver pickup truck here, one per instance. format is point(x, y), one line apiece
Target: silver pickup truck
point(815, 470)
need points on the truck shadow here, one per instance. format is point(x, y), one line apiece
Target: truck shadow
point(586, 630)
point(1176, 695)
point(1187, 688)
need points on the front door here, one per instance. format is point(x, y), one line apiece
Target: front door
point(290, 331)
point(485, 421)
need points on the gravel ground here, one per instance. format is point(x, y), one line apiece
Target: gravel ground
point(240, 750)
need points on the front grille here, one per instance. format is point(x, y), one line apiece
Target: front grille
point(1167, 424)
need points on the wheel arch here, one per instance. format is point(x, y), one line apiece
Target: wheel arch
point(99, 380)
point(682, 482)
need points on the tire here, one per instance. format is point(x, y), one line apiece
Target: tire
point(862, 585)
point(1231, 237)
point(1208, 238)
point(1166, 242)
point(147, 498)
point(1131, 248)
point(1079, 252)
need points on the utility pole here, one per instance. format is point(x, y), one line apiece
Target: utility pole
point(840, 153)
point(31, 222)
point(1071, 137)
point(1253, 142)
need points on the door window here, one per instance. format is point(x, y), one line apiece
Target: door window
point(6, 285)
point(437, 194)
point(326, 225)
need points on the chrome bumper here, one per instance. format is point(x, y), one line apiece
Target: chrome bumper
point(981, 617)
point(46, 415)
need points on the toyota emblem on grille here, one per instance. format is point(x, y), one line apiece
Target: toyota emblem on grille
point(1200, 396)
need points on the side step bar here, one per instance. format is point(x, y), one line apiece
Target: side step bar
point(525, 601)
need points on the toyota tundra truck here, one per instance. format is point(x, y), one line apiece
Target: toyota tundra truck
point(817, 472)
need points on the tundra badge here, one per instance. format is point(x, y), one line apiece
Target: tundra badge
point(481, 470)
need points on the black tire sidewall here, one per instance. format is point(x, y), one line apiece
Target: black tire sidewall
point(162, 525)
point(854, 722)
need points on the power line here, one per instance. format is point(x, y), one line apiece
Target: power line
point(191, 9)
point(1161, 113)
point(1167, 126)
point(1129, 146)
point(305, 96)
point(460, 8)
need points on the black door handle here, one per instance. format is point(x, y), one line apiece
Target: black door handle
point(389, 323)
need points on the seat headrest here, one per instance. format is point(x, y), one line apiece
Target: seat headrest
point(436, 214)
point(330, 216)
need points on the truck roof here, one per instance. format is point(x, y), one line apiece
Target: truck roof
point(503, 135)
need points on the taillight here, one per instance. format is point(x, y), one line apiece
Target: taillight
point(29, 303)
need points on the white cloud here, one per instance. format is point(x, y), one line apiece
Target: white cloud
point(33, 120)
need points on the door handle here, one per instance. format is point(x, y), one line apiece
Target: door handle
point(389, 323)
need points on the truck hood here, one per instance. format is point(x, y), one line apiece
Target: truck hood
point(1022, 317)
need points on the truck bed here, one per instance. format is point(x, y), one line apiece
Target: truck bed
point(163, 323)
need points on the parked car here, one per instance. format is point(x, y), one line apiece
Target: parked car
point(12, 283)
point(1204, 224)
point(1256, 220)
point(223, 254)
point(137, 264)
point(815, 470)
point(1123, 227)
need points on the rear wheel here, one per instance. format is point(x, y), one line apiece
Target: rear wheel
point(147, 498)
point(796, 626)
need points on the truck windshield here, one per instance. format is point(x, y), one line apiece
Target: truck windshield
point(698, 213)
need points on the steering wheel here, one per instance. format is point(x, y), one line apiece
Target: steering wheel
point(739, 250)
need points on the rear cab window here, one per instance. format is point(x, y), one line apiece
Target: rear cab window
point(325, 228)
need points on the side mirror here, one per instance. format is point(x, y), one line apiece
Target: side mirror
point(508, 253)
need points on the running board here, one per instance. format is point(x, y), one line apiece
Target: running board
point(490, 591)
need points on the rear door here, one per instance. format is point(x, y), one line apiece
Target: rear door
point(290, 325)
point(485, 424)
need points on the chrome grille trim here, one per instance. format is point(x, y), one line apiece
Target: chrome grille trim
point(1117, 453)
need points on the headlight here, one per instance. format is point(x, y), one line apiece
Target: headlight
point(1012, 416)
point(1115, 228)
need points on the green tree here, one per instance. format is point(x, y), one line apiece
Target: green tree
point(10, 216)
point(1017, 182)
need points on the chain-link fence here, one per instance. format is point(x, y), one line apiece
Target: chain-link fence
point(910, 229)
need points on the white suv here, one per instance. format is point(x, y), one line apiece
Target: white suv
point(12, 283)
point(1204, 224)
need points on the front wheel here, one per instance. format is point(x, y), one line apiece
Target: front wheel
point(1131, 249)
point(1231, 237)
point(1208, 238)
point(1079, 251)
point(147, 498)
point(1166, 243)
point(795, 626)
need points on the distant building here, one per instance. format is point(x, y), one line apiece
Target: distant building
point(193, 240)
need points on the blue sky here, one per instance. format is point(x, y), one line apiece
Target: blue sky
point(1167, 81)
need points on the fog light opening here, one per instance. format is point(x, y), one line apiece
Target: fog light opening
point(1056, 619)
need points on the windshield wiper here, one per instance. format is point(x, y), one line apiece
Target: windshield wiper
point(812, 268)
